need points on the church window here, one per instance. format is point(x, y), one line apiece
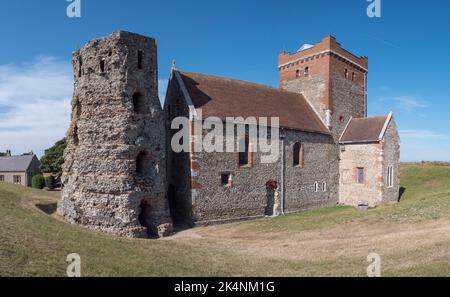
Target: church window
point(390, 177)
point(297, 154)
point(360, 175)
point(316, 187)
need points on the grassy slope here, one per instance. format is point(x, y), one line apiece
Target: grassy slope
point(35, 244)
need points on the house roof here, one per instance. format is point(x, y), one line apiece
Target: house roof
point(363, 130)
point(15, 163)
point(225, 97)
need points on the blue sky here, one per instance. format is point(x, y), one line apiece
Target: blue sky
point(407, 48)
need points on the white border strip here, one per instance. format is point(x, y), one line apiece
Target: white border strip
point(192, 111)
point(386, 125)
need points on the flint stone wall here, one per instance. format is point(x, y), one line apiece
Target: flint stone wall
point(116, 127)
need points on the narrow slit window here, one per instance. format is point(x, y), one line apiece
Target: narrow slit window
point(346, 73)
point(102, 65)
point(80, 66)
point(316, 187)
point(140, 57)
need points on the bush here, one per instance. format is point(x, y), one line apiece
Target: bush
point(38, 182)
point(50, 182)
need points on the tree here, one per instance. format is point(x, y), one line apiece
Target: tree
point(53, 159)
point(50, 182)
point(38, 182)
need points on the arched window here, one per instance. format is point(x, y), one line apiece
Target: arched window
point(316, 187)
point(138, 103)
point(346, 73)
point(297, 73)
point(244, 152)
point(306, 71)
point(353, 76)
point(297, 154)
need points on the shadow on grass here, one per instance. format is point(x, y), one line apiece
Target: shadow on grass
point(402, 191)
point(48, 208)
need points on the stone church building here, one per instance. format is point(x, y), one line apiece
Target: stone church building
point(122, 176)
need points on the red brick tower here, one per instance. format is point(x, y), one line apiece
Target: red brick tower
point(332, 79)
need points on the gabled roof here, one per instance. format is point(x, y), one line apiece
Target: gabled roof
point(364, 130)
point(224, 97)
point(15, 163)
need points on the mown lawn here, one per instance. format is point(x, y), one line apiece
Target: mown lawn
point(413, 238)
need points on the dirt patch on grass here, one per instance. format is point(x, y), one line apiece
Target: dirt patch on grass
point(350, 240)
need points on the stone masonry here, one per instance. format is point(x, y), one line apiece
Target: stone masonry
point(114, 176)
point(121, 175)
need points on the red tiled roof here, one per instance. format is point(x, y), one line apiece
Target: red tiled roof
point(364, 130)
point(224, 97)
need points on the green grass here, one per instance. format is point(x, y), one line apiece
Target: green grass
point(33, 243)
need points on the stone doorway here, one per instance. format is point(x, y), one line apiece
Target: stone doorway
point(144, 218)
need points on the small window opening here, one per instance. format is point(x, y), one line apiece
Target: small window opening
point(141, 164)
point(360, 175)
point(353, 76)
point(80, 66)
point(390, 177)
point(138, 103)
point(341, 119)
point(102, 65)
point(225, 179)
point(306, 71)
point(244, 152)
point(346, 73)
point(297, 73)
point(324, 187)
point(140, 56)
point(316, 187)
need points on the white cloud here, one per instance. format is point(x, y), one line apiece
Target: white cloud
point(423, 134)
point(34, 104)
point(407, 103)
